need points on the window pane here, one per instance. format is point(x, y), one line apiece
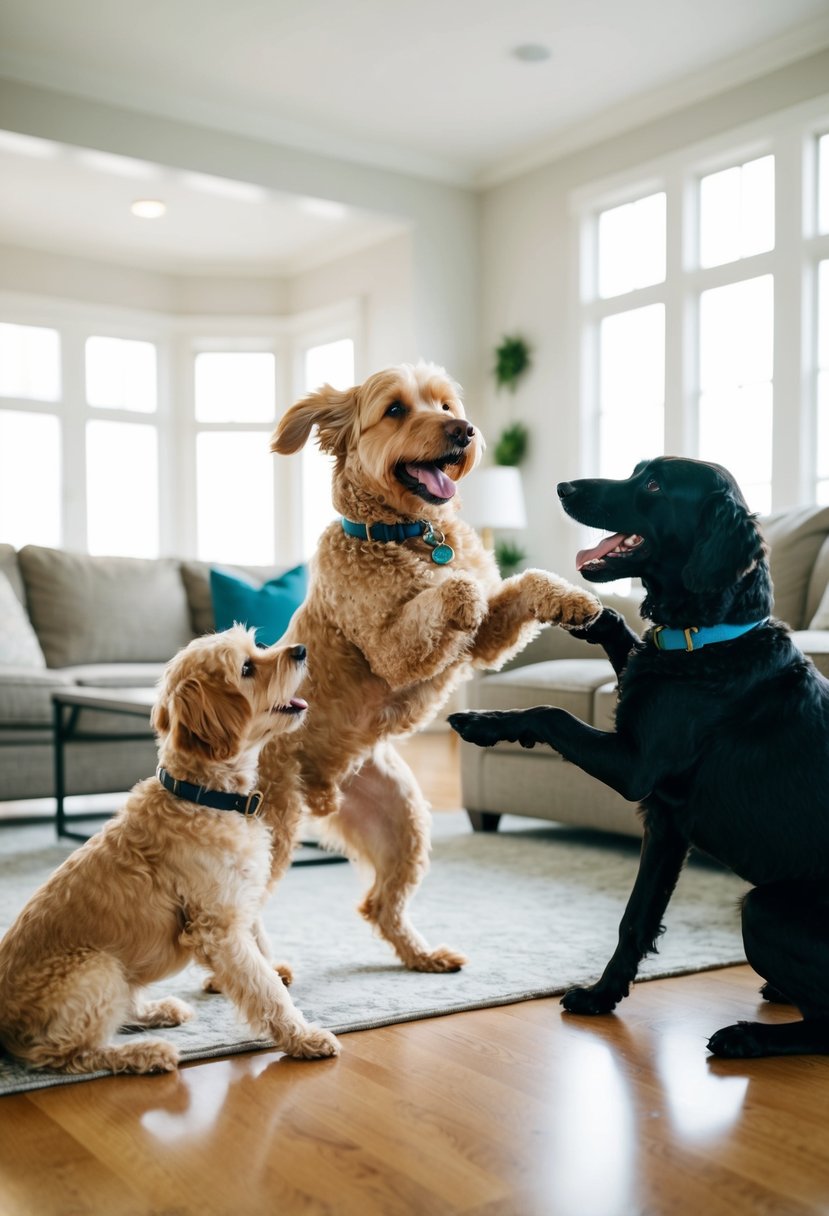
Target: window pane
point(332, 363)
point(235, 386)
point(234, 497)
point(30, 479)
point(631, 389)
point(632, 246)
point(122, 489)
point(121, 374)
point(29, 362)
point(822, 462)
point(737, 334)
point(737, 212)
point(823, 184)
point(823, 315)
point(735, 407)
point(823, 426)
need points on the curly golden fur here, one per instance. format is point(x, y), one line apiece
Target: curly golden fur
point(391, 633)
point(164, 882)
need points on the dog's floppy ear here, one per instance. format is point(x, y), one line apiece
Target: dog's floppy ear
point(728, 545)
point(208, 717)
point(332, 412)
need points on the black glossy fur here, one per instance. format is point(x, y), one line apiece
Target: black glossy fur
point(726, 749)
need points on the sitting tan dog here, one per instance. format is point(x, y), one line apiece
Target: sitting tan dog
point(180, 873)
point(403, 603)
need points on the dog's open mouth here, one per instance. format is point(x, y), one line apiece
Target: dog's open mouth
point(618, 545)
point(427, 479)
point(296, 705)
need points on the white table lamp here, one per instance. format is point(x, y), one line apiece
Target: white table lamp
point(493, 498)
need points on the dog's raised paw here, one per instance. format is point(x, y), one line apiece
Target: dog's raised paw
point(465, 603)
point(577, 608)
point(484, 729)
point(285, 973)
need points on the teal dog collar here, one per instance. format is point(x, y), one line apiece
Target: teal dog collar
point(441, 552)
point(695, 638)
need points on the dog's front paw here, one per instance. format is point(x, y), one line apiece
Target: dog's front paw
point(485, 729)
point(285, 973)
point(577, 608)
point(437, 961)
point(312, 1043)
point(742, 1041)
point(589, 1001)
point(600, 630)
point(464, 603)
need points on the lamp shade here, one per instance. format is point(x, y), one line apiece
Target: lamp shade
point(494, 498)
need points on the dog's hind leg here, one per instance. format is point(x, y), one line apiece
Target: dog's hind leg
point(168, 1011)
point(88, 1000)
point(786, 941)
point(384, 821)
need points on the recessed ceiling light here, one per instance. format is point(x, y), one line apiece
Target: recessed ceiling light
point(148, 208)
point(531, 52)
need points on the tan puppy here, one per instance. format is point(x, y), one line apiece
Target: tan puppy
point(393, 627)
point(167, 880)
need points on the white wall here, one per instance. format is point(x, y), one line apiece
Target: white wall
point(529, 260)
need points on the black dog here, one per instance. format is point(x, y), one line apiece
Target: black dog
point(722, 734)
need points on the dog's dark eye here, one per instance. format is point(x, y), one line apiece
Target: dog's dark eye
point(446, 405)
point(248, 668)
point(652, 486)
point(396, 410)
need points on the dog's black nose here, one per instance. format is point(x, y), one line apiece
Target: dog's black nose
point(565, 488)
point(298, 653)
point(460, 432)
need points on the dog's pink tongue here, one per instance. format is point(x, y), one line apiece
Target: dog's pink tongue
point(433, 478)
point(604, 546)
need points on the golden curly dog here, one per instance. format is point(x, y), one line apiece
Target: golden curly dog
point(167, 880)
point(393, 627)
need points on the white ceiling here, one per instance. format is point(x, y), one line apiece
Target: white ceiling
point(425, 86)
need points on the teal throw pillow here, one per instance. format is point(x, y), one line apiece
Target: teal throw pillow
point(267, 608)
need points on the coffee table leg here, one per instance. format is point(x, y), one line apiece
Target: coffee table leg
point(60, 779)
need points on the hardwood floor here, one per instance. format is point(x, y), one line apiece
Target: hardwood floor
point(517, 1111)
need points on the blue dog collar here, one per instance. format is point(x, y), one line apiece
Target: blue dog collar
point(384, 532)
point(441, 554)
point(695, 638)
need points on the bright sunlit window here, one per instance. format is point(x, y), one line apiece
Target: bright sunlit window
point(632, 388)
point(29, 362)
point(234, 497)
point(631, 241)
point(736, 210)
point(235, 386)
point(736, 342)
point(823, 184)
point(823, 384)
point(122, 488)
point(121, 374)
point(329, 363)
point(30, 479)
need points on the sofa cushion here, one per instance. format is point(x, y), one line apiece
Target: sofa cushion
point(267, 608)
point(26, 695)
point(796, 538)
point(568, 683)
point(19, 646)
point(104, 609)
point(815, 644)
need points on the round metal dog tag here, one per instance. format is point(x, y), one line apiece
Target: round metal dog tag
point(442, 554)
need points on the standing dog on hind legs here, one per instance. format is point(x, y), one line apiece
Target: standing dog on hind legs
point(404, 601)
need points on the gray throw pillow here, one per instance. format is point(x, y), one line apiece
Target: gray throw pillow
point(19, 646)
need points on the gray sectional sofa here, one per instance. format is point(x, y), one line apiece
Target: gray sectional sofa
point(70, 619)
point(556, 669)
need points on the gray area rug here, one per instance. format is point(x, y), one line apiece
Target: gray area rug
point(535, 909)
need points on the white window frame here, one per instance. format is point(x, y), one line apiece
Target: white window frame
point(177, 339)
point(791, 137)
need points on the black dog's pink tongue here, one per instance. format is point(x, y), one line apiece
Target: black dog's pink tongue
point(433, 478)
point(603, 547)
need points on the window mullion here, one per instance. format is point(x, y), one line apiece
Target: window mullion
point(677, 398)
point(74, 415)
